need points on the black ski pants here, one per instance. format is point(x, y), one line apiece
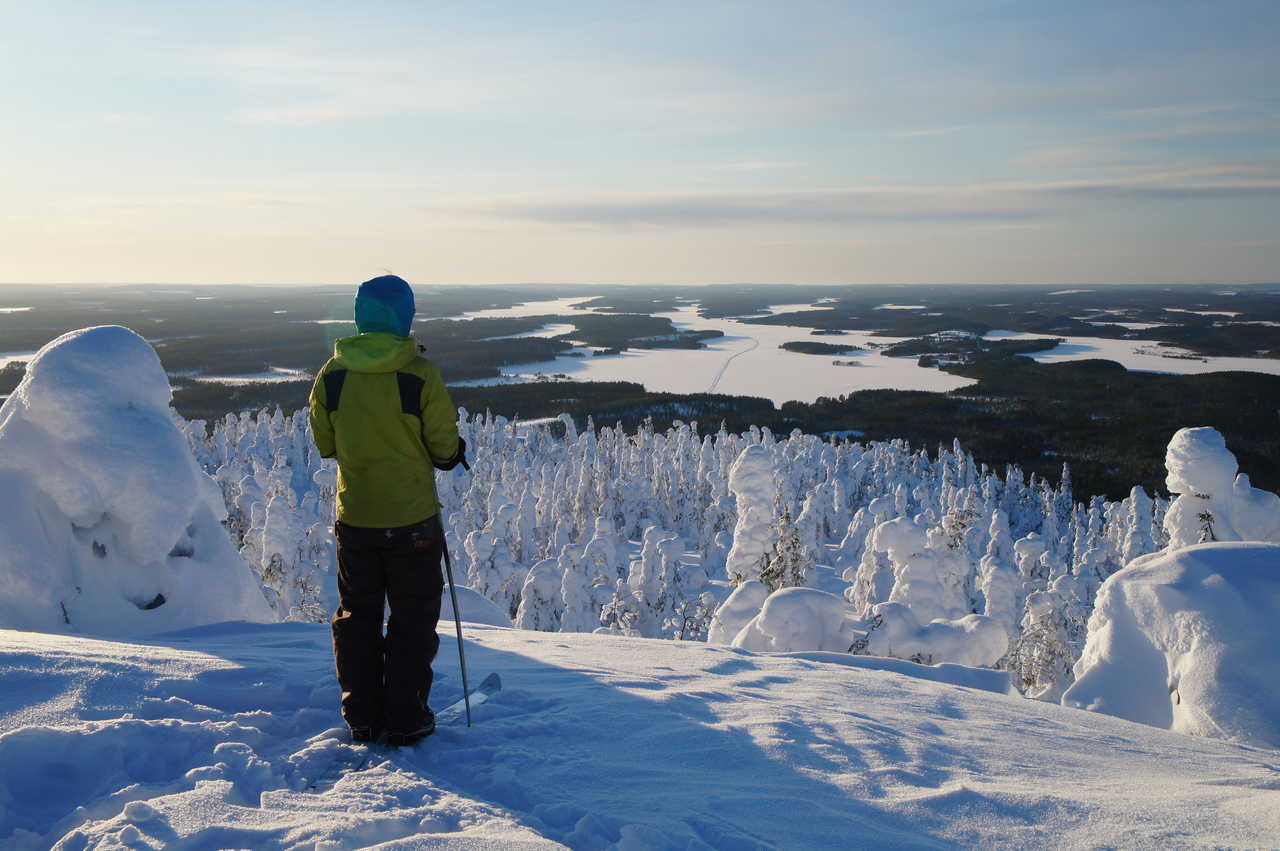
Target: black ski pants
point(385, 681)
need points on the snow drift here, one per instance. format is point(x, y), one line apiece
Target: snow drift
point(1188, 640)
point(111, 527)
point(212, 738)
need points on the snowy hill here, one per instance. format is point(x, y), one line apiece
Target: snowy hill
point(210, 737)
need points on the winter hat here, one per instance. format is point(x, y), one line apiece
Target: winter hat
point(384, 304)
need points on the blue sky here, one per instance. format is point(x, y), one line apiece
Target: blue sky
point(709, 142)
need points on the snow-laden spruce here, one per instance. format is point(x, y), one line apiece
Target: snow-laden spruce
point(646, 534)
point(109, 524)
point(1214, 503)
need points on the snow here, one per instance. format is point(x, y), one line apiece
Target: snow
point(1069, 292)
point(7, 358)
point(208, 739)
point(738, 610)
point(274, 375)
point(972, 640)
point(799, 619)
point(110, 524)
point(746, 361)
point(751, 483)
point(1187, 639)
point(546, 307)
point(1203, 312)
point(1214, 503)
point(900, 307)
point(1138, 355)
point(552, 329)
point(14, 309)
point(473, 606)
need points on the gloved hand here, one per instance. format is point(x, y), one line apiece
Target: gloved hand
point(460, 458)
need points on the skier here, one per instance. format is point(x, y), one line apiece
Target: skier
point(383, 411)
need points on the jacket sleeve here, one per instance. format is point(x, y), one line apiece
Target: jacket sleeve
point(439, 420)
point(318, 414)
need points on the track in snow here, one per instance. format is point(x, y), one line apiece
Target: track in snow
point(715, 382)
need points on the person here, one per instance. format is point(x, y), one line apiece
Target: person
point(383, 411)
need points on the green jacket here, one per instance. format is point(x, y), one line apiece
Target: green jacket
point(384, 412)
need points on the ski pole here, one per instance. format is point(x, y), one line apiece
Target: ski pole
point(457, 620)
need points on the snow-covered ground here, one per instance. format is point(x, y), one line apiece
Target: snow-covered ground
point(1138, 355)
point(209, 739)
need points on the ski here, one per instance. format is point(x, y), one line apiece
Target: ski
point(361, 755)
point(488, 687)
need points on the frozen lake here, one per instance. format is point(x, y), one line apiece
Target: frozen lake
point(1139, 355)
point(274, 375)
point(747, 361)
point(7, 358)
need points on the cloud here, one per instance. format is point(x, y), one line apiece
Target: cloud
point(300, 116)
point(844, 206)
point(928, 131)
point(1008, 203)
point(757, 166)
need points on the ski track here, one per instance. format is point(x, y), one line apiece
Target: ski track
point(208, 739)
point(715, 382)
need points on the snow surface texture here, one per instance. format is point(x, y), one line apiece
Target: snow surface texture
point(209, 739)
point(110, 526)
point(1189, 640)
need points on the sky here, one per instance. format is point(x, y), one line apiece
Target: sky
point(665, 142)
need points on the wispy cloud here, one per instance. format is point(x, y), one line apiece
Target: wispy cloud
point(927, 131)
point(757, 166)
point(995, 203)
point(300, 116)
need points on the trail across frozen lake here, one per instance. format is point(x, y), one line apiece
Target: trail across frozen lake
point(715, 382)
point(209, 739)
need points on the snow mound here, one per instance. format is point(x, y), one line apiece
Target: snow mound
point(1188, 640)
point(109, 524)
point(973, 640)
point(795, 619)
point(474, 608)
point(736, 611)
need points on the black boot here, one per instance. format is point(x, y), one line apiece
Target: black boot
point(400, 740)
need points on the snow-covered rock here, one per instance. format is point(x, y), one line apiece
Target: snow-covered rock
point(1188, 640)
point(109, 526)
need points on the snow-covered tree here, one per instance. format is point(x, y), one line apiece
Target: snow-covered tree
point(751, 482)
point(788, 561)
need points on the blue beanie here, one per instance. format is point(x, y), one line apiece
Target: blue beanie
point(384, 304)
